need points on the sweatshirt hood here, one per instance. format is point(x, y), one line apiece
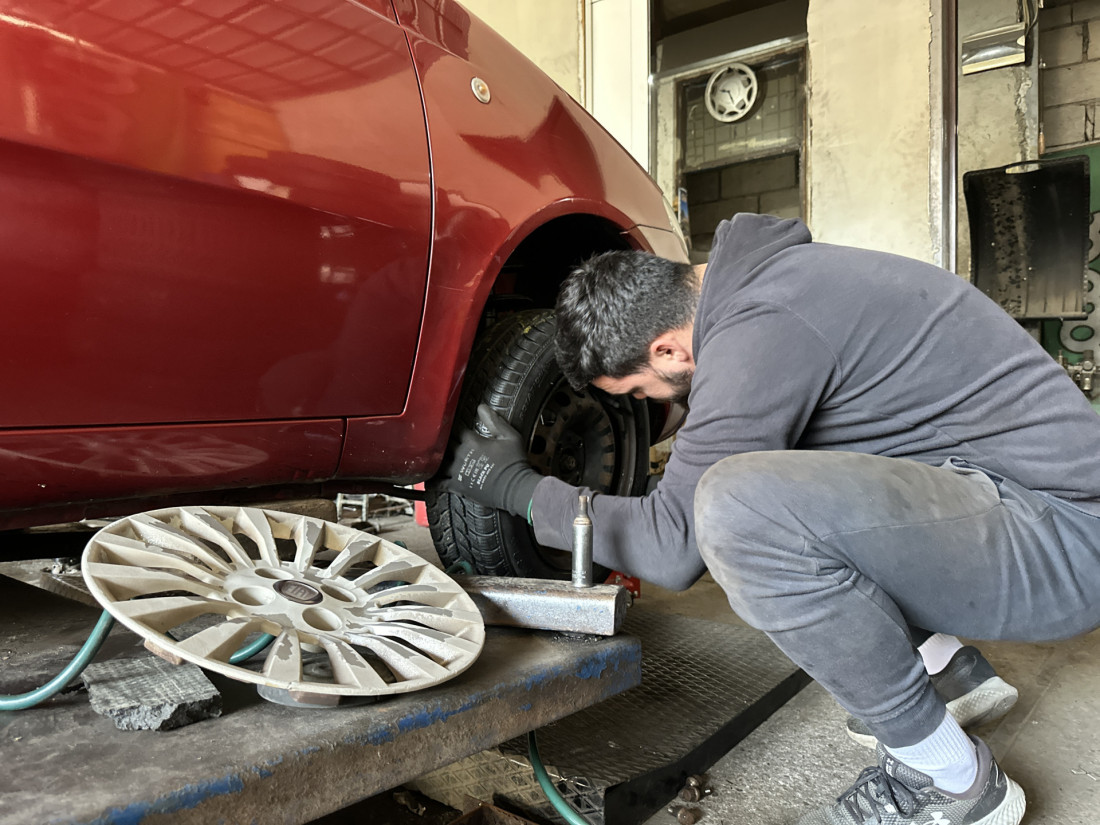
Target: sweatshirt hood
point(741, 246)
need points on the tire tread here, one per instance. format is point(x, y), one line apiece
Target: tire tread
point(505, 356)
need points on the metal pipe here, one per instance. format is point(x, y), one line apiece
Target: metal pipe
point(949, 186)
point(547, 604)
point(582, 546)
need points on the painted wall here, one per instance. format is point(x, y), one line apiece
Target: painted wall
point(876, 149)
point(618, 71)
point(870, 152)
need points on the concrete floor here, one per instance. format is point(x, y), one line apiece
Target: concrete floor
point(801, 758)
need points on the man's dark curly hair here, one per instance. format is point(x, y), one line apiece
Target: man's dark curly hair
point(613, 306)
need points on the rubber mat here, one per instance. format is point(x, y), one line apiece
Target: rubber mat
point(705, 686)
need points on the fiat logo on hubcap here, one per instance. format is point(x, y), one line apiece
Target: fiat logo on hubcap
point(298, 591)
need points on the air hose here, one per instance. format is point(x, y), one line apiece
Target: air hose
point(22, 701)
point(84, 656)
point(555, 799)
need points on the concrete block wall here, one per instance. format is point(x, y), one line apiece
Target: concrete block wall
point(1069, 53)
point(769, 185)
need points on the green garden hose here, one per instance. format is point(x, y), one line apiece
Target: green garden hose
point(251, 649)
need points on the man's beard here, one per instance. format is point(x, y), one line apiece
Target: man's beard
point(679, 385)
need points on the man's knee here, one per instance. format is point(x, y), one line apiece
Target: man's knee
point(742, 508)
point(738, 492)
point(744, 532)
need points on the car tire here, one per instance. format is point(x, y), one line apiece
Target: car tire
point(586, 438)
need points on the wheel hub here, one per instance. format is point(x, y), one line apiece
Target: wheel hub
point(299, 592)
point(574, 439)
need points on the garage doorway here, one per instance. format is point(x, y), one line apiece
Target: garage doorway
point(720, 162)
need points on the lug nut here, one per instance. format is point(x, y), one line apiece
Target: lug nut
point(691, 793)
point(695, 781)
point(688, 816)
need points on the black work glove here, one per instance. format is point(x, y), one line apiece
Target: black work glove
point(489, 465)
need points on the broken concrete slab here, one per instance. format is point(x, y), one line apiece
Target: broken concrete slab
point(151, 694)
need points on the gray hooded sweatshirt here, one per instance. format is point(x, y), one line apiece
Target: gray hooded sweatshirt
point(808, 346)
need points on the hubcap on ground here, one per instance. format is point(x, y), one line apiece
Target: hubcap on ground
point(351, 613)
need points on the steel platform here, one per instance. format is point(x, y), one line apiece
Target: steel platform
point(262, 762)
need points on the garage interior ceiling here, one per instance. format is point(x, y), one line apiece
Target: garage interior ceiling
point(671, 17)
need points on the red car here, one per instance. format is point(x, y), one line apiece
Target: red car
point(258, 249)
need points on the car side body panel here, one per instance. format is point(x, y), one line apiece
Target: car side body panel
point(202, 221)
point(161, 460)
point(501, 170)
point(194, 186)
point(248, 244)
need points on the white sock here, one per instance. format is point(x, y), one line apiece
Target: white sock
point(947, 756)
point(937, 651)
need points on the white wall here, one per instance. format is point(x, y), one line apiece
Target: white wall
point(619, 66)
point(871, 154)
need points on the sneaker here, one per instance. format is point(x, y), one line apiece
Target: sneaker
point(973, 691)
point(893, 793)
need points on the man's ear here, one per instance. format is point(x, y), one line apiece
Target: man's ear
point(668, 350)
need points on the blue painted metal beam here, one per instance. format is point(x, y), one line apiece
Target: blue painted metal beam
point(267, 763)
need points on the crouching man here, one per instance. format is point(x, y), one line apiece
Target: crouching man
point(876, 459)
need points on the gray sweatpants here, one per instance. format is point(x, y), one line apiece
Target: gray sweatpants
point(839, 557)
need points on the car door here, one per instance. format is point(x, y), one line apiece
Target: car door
point(214, 219)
